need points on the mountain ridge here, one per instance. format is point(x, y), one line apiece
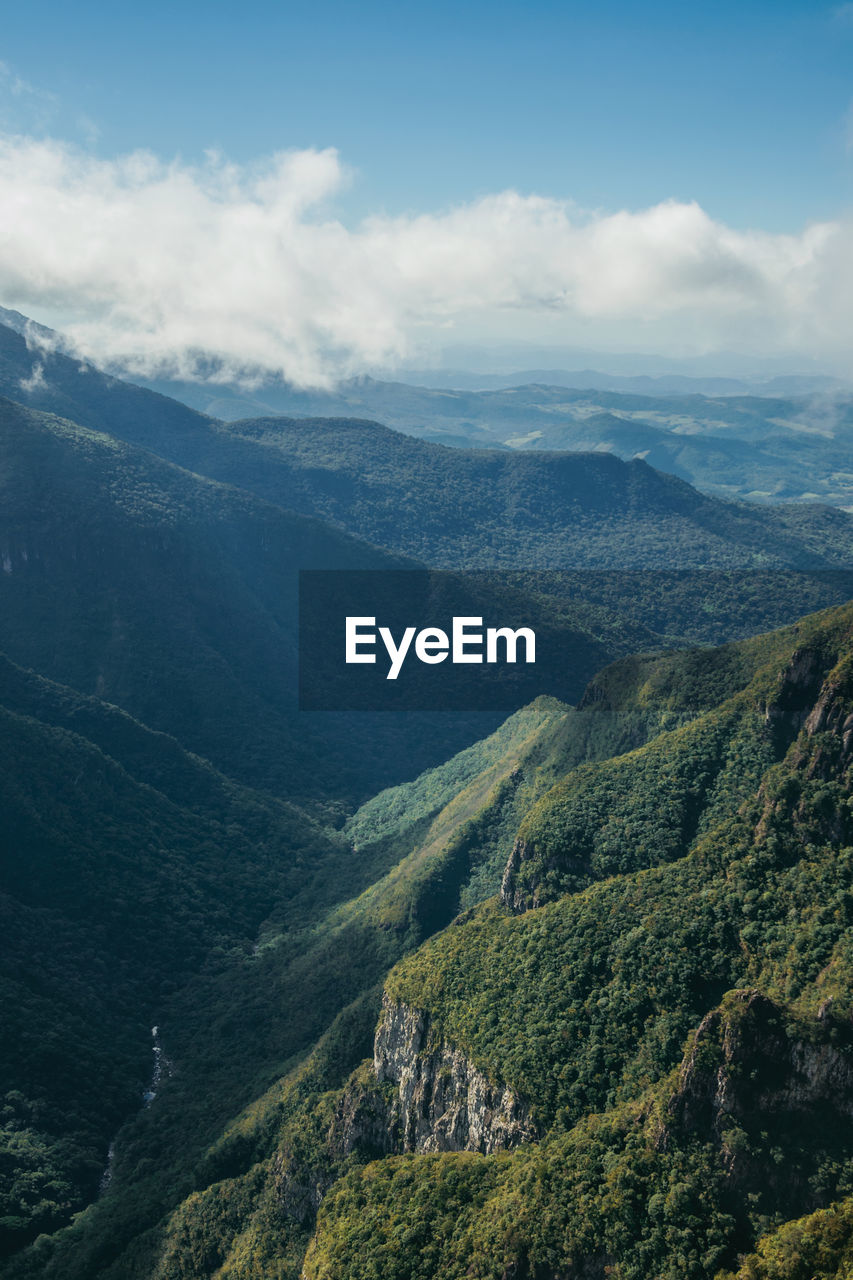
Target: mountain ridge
point(253, 455)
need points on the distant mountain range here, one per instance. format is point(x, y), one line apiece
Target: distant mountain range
point(448, 508)
point(661, 384)
point(789, 441)
point(782, 437)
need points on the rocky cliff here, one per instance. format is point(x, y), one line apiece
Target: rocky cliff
point(755, 1081)
point(422, 1095)
point(441, 1101)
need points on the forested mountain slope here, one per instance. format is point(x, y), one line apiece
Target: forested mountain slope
point(42, 377)
point(530, 510)
point(175, 597)
point(344, 909)
point(131, 863)
point(135, 883)
point(637, 1060)
point(127, 863)
point(696, 888)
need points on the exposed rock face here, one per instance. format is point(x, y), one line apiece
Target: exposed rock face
point(299, 1189)
point(823, 750)
point(511, 895)
point(441, 1102)
point(831, 716)
point(748, 1070)
point(812, 698)
point(521, 886)
point(419, 1094)
point(828, 715)
point(798, 687)
point(364, 1120)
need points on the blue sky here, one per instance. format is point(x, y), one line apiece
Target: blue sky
point(741, 109)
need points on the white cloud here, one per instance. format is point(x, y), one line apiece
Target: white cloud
point(36, 380)
point(15, 85)
point(23, 105)
point(164, 267)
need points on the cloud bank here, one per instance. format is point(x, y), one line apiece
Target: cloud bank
point(171, 269)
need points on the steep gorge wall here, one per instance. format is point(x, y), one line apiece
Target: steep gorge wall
point(440, 1100)
point(424, 1095)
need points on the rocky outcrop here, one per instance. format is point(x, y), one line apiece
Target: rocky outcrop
point(418, 1095)
point(364, 1120)
point(750, 1070)
point(526, 874)
point(797, 688)
point(829, 715)
point(831, 720)
point(440, 1100)
point(821, 749)
point(511, 894)
point(813, 697)
point(299, 1188)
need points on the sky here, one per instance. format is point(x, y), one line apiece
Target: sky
point(318, 189)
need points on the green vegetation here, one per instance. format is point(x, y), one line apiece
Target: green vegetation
point(485, 509)
point(598, 1198)
point(122, 874)
point(583, 1007)
point(817, 1247)
point(175, 598)
point(250, 867)
point(663, 985)
point(731, 939)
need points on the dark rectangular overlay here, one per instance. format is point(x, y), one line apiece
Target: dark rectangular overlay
point(582, 620)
